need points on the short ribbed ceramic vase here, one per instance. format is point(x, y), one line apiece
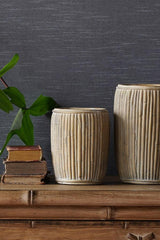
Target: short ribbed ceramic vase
point(137, 133)
point(79, 144)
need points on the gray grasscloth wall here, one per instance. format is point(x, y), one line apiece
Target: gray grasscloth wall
point(77, 51)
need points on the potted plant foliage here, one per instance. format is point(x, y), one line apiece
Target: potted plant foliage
point(22, 125)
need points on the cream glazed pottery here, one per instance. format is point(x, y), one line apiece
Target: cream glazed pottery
point(79, 144)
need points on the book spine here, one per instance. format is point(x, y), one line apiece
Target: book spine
point(24, 180)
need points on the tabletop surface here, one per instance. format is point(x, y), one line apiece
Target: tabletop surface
point(111, 184)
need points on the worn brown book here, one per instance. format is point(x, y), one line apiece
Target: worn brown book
point(25, 168)
point(18, 179)
point(24, 153)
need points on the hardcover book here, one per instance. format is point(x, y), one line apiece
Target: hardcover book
point(25, 168)
point(24, 153)
point(28, 179)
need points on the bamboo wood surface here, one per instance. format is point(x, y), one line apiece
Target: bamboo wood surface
point(55, 213)
point(38, 212)
point(112, 194)
point(80, 213)
point(101, 202)
point(84, 230)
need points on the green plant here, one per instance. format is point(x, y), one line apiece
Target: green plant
point(22, 124)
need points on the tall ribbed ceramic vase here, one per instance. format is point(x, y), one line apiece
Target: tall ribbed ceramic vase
point(137, 133)
point(79, 144)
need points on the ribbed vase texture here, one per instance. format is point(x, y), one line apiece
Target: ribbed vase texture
point(137, 133)
point(79, 145)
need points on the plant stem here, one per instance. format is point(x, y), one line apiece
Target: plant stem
point(4, 83)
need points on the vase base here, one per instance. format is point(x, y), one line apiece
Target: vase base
point(140, 181)
point(78, 182)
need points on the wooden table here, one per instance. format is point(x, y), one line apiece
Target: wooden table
point(105, 212)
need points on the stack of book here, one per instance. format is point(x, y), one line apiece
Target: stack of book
point(24, 165)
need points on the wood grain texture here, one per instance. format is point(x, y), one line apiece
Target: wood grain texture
point(83, 230)
point(135, 213)
point(8, 198)
point(90, 213)
point(97, 205)
point(97, 198)
point(54, 212)
point(137, 126)
point(79, 144)
point(62, 195)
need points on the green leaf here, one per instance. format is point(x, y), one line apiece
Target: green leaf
point(42, 105)
point(17, 123)
point(16, 96)
point(26, 131)
point(9, 136)
point(5, 103)
point(10, 65)
point(21, 126)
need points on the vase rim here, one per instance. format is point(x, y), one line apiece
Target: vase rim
point(77, 110)
point(139, 86)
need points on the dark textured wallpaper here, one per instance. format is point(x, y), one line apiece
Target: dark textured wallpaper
point(77, 51)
